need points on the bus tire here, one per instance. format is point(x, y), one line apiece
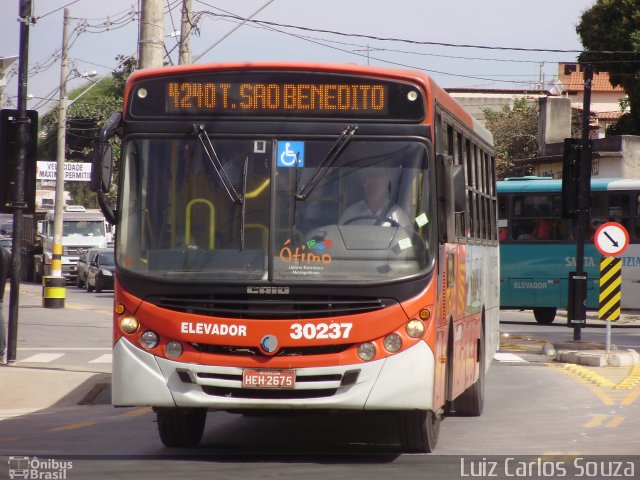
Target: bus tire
point(471, 402)
point(545, 315)
point(419, 431)
point(181, 427)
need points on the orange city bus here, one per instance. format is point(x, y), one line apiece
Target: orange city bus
point(255, 271)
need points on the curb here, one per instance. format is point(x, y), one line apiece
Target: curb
point(599, 358)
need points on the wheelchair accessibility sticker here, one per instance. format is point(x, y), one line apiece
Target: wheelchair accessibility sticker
point(290, 154)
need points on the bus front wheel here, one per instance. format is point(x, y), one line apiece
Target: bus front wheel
point(419, 430)
point(545, 315)
point(181, 427)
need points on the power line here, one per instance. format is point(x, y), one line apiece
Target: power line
point(415, 42)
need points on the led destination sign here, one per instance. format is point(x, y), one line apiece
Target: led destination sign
point(367, 99)
point(251, 94)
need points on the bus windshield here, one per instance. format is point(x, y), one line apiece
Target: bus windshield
point(228, 209)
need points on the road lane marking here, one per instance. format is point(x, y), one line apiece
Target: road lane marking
point(59, 349)
point(106, 358)
point(136, 412)
point(631, 397)
point(508, 357)
point(595, 421)
point(41, 358)
point(615, 421)
point(72, 426)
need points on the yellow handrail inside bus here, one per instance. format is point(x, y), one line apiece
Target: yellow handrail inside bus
point(212, 221)
point(258, 191)
point(263, 230)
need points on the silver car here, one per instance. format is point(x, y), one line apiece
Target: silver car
point(83, 266)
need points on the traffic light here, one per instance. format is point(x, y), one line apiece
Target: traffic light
point(9, 143)
point(570, 175)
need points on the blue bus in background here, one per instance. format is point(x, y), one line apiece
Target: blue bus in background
point(538, 247)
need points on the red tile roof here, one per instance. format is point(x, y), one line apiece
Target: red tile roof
point(571, 75)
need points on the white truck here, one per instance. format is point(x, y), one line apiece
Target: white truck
point(81, 229)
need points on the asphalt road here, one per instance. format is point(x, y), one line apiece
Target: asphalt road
point(534, 408)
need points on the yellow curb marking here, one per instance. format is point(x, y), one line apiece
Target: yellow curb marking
point(589, 375)
point(566, 368)
point(72, 426)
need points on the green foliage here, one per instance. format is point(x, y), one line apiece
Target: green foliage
point(614, 26)
point(85, 117)
point(515, 134)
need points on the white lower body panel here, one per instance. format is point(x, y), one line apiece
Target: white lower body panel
point(400, 382)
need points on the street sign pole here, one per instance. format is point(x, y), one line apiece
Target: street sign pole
point(611, 239)
point(25, 11)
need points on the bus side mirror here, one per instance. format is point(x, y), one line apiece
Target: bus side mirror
point(102, 162)
point(101, 168)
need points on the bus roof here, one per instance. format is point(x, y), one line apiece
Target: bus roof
point(548, 184)
point(433, 90)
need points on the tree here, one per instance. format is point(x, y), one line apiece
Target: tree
point(84, 119)
point(515, 135)
point(610, 34)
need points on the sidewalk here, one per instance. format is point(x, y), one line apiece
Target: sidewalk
point(25, 389)
point(581, 352)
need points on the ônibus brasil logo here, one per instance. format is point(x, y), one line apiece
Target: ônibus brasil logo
point(41, 469)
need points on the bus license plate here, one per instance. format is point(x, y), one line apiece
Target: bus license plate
point(268, 378)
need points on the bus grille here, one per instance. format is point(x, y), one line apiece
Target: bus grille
point(268, 394)
point(283, 352)
point(248, 307)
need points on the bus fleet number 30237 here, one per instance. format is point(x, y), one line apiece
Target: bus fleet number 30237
point(320, 331)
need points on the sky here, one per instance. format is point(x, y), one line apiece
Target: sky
point(335, 31)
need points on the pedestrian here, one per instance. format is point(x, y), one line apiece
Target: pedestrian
point(5, 264)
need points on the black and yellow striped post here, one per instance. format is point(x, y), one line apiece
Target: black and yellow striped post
point(53, 292)
point(610, 288)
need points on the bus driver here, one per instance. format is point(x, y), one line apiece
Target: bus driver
point(377, 207)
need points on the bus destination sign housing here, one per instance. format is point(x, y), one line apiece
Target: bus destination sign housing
point(279, 94)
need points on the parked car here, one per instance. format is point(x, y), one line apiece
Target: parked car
point(82, 266)
point(101, 270)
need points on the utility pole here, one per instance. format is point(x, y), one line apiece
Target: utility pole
point(151, 40)
point(56, 259)
point(24, 17)
point(184, 56)
point(584, 191)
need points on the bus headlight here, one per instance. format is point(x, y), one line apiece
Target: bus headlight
point(393, 342)
point(367, 351)
point(415, 328)
point(149, 339)
point(173, 349)
point(129, 324)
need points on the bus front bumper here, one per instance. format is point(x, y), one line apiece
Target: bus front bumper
point(400, 382)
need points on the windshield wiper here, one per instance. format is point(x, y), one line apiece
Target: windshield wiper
point(337, 148)
point(216, 163)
